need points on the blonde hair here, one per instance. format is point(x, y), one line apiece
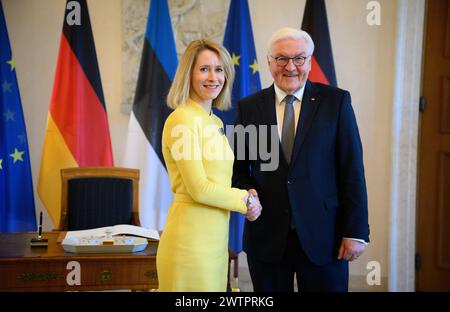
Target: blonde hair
point(179, 92)
point(290, 33)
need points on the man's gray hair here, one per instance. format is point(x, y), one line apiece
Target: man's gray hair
point(290, 33)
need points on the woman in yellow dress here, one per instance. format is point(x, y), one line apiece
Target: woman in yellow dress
point(193, 249)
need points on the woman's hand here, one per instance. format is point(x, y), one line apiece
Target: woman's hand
point(254, 207)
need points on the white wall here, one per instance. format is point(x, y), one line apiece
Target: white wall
point(363, 55)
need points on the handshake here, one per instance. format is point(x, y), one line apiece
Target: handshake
point(254, 207)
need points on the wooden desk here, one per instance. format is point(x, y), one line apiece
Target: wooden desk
point(23, 268)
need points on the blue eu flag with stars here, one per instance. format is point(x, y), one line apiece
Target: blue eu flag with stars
point(17, 211)
point(239, 42)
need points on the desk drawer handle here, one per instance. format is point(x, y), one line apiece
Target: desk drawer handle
point(151, 274)
point(39, 277)
point(106, 275)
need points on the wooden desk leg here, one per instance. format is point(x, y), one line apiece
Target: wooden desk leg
point(233, 285)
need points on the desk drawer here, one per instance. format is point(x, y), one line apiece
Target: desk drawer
point(33, 274)
point(108, 273)
point(95, 275)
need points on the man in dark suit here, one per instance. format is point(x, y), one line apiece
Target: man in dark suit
point(314, 217)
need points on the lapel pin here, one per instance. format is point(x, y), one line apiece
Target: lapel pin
point(313, 99)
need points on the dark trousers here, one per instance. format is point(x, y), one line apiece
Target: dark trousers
point(279, 277)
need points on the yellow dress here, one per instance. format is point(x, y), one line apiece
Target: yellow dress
point(193, 250)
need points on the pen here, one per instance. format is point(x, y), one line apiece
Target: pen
point(40, 226)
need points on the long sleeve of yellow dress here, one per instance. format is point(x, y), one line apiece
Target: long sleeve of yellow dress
point(202, 188)
point(192, 253)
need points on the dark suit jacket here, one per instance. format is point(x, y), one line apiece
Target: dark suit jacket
point(323, 189)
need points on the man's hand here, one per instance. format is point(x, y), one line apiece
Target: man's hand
point(350, 249)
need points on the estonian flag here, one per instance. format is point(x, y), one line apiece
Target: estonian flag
point(239, 43)
point(77, 133)
point(143, 150)
point(315, 22)
point(17, 211)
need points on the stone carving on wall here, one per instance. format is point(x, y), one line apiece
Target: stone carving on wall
point(191, 19)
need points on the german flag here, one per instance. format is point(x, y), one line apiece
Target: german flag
point(315, 22)
point(77, 133)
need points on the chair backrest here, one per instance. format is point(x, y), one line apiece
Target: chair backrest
point(95, 197)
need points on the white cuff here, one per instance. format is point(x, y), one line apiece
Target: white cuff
point(358, 240)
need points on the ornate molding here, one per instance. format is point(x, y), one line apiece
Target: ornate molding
point(191, 19)
point(40, 277)
point(105, 275)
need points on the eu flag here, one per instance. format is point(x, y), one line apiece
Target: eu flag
point(239, 43)
point(17, 212)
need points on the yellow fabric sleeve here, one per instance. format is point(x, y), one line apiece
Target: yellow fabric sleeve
point(191, 165)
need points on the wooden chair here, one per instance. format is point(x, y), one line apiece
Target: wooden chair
point(99, 196)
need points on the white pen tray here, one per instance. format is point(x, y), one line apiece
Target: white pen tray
point(122, 244)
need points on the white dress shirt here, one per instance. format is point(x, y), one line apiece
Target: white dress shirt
point(280, 105)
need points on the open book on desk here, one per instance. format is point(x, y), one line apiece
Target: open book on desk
point(120, 229)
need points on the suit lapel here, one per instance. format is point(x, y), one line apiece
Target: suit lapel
point(267, 107)
point(310, 103)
